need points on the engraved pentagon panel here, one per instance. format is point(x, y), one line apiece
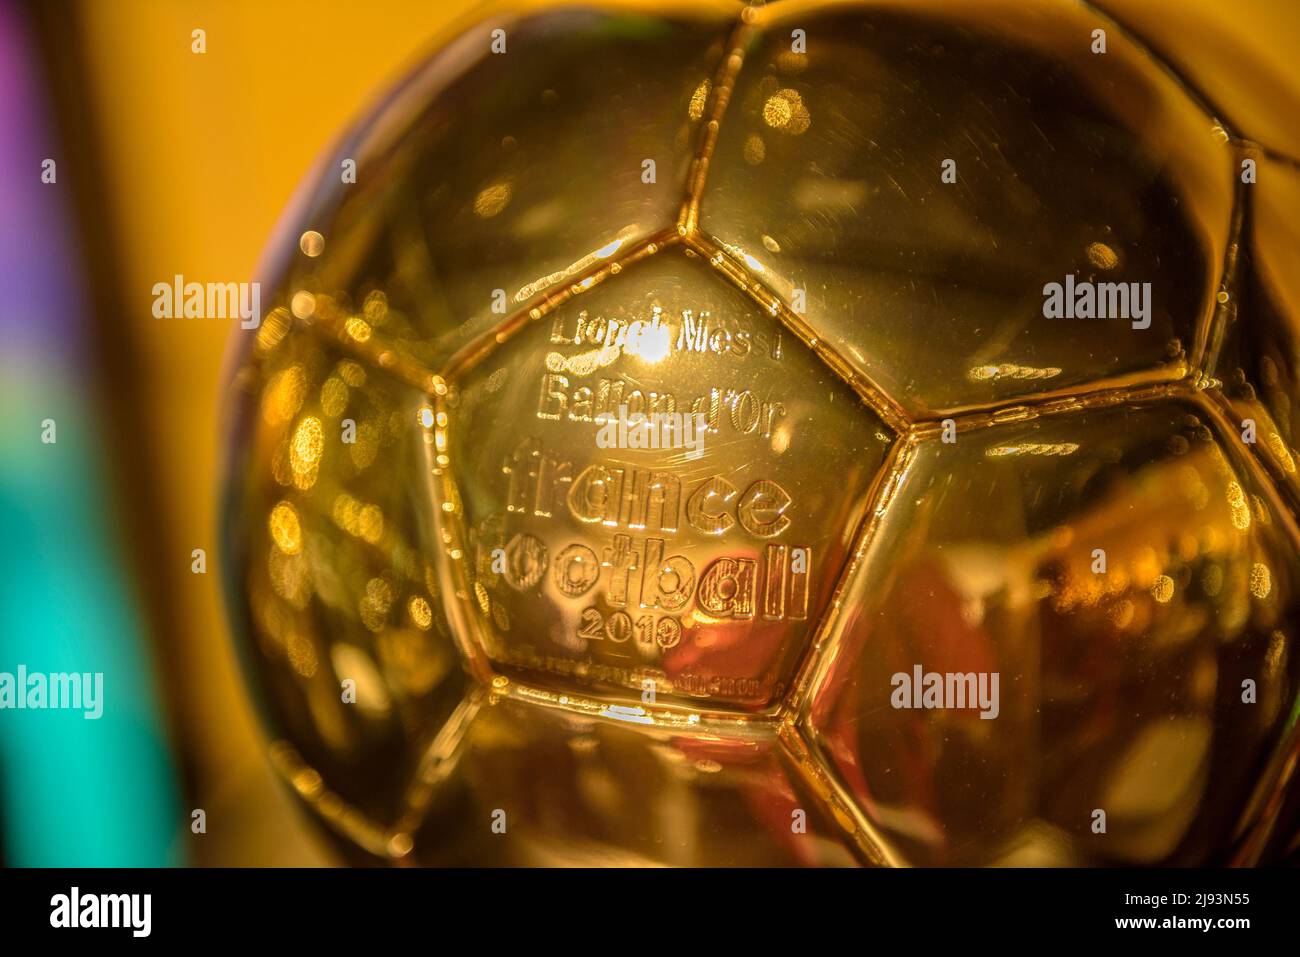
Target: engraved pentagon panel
point(828, 181)
point(654, 486)
point(546, 787)
point(1125, 577)
point(1258, 365)
point(330, 596)
point(1241, 59)
point(489, 179)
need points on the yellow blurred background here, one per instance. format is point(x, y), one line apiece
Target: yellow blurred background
point(195, 157)
point(182, 164)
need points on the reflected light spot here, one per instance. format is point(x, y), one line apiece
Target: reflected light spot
point(633, 714)
point(333, 396)
point(531, 289)
point(345, 511)
point(1102, 256)
point(584, 363)
point(357, 328)
point(1162, 589)
point(604, 252)
point(501, 616)
point(420, 612)
point(1261, 581)
point(1011, 371)
point(290, 577)
point(285, 529)
point(360, 520)
point(399, 845)
point(307, 445)
point(352, 373)
point(301, 654)
point(303, 304)
point(366, 446)
point(312, 243)
point(308, 782)
point(280, 464)
point(375, 308)
point(649, 342)
point(1033, 448)
point(372, 524)
point(492, 200)
point(374, 605)
point(1280, 451)
point(1240, 509)
point(1276, 649)
point(698, 99)
point(273, 329)
point(349, 661)
point(283, 396)
point(785, 111)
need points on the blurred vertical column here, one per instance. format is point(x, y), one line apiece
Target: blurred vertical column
point(73, 791)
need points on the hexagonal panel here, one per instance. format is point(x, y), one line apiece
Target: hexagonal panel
point(1122, 573)
point(568, 790)
point(700, 565)
point(828, 180)
point(469, 203)
point(1231, 59)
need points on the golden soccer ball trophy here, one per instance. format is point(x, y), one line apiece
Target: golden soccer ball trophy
point(816, 433)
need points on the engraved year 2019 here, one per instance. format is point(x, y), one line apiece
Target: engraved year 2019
point(618, 627)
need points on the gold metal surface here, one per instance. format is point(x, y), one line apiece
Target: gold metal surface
point(682, 653)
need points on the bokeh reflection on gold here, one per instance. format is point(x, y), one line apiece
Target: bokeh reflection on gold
point(1126, 679)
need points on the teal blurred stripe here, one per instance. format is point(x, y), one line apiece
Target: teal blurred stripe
point(73, 792)
point(76, 791)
